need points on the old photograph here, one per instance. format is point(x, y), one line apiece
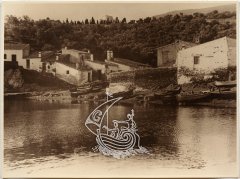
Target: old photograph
point(120, 89)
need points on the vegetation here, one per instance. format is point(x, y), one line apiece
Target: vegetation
point(133, 39)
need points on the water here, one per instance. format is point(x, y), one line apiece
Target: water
point(53, 134)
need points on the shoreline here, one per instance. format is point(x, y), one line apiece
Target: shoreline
point(65, 95)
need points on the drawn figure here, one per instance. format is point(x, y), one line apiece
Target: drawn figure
point(119, 141)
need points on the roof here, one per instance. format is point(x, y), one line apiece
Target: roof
point(65, 60)
point(78, 51)
point(46, 56)
point(213, 43)
point(176, 43)
point(15, 46)
point(129, 63)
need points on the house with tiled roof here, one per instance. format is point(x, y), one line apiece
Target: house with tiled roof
point(167, 54)
point(72, 69)
point(16, 52)
point(207, 57)
point(121, 64)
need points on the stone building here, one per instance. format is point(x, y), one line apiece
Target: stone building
point(73, 73)
point(209, 56)
point(16, 52)
point(120, 64)
point(167, 55)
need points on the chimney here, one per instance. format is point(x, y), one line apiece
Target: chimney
point(39, 54)
point(88, 51)
point(109, 55)
point(57, 58)
point(65, 48)
point(91, 57)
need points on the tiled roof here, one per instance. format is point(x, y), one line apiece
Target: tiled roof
point(46, 56)
point(129, 62)
point(15, 46)
point(177, 43)
point(65, 60)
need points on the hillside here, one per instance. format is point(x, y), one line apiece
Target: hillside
point(136, 40)
point(220, 9)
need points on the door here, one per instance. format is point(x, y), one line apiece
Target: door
point(28, 64)
point(99, 74)
point(43, 67)
point(14, 58)
point(89, 77)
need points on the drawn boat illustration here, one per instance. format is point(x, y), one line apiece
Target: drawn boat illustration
point(121, 138)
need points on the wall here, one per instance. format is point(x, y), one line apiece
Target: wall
point(35, 64)
point(19, 55)
point(232, 52)
point(76, 55)
point(172, 50)
point(50, 67)
point(96, 66)
point(212, 55)
point(74, 77)
point(151, 78)
point(121, 67)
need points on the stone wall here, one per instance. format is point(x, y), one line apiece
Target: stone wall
point(151, 78)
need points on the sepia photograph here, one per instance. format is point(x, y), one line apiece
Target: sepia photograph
point(120, 89)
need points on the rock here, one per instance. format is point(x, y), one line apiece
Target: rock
point(13, 79)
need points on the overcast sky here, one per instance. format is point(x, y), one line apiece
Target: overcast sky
point(81, 11)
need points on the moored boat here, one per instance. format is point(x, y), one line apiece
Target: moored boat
point(225, 83)
point(124, 94)
point(192, 98)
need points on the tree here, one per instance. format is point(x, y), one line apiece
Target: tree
point(86, 21)
point(124, 20)
point(116, 20)
point(92, 21)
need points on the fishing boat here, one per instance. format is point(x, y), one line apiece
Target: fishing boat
point(88, 88)
point(230, 93)
point(167, 93)
point(192, 98)
point(225, 83)
point(124, 94)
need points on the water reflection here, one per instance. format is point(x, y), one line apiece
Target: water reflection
point(190, 137)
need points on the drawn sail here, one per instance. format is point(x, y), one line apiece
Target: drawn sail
point(119, 141)
point(95, 119)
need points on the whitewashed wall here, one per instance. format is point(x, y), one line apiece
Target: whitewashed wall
point(74, 77)
point(212, 55)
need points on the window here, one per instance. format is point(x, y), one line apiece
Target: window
point(165, 56)
point(48, 66)
point(196, 60)
point(14, 58)
point(5, 56)
point(67, 72)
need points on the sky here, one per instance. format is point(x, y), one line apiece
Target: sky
point(81, 11)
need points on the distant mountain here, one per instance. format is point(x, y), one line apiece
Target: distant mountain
point(230, 8)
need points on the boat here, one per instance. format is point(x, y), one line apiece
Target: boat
point(168, 93)
point(124, 94)
point(225, 94)
point(192, 98)
point(225, 83)
point(88, 88)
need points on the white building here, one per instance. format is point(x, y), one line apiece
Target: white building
point(207, 57)
point(16, 52)
point(220, 53)
point(73, 73)
point(120, 64)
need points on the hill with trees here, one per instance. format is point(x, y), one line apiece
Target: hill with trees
point(132, 39)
